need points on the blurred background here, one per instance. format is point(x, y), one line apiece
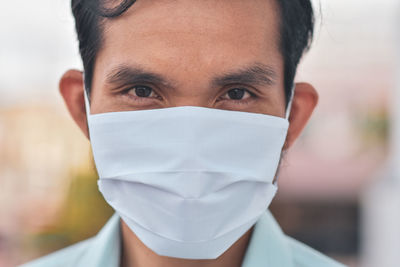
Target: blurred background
point(339, 186)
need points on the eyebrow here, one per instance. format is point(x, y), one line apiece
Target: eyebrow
point(123, 75)
point(257, 74)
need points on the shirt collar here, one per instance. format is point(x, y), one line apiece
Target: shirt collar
point(105, 248)
point(267, 245)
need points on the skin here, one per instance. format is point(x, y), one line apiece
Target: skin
point(190, 45)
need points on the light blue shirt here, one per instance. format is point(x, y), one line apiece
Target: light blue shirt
point(268, 247)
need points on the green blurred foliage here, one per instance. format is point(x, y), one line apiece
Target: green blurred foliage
point(82, 216)
point(373, 127)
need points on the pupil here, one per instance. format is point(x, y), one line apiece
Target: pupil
point(236, 94)
point(143, 91)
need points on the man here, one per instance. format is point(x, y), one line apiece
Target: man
point(188, 106)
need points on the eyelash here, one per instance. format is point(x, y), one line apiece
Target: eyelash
point(246, 101)
point(126, 91)
point(235, 101)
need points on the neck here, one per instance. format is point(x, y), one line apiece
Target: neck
point(136, 254)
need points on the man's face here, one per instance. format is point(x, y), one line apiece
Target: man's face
point(218, 54)
point(215, 54)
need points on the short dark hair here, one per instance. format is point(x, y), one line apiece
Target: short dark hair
point(296, 32)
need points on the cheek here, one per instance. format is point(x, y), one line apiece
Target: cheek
point(100, 102)
point(273, 105)
point(280, 102)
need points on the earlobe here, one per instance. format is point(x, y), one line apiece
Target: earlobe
point(72, 90)
point(304, 102)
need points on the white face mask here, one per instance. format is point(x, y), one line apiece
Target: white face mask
point(188, 181)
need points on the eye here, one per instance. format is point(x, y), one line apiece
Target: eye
point(237, 94)
point(141, 91)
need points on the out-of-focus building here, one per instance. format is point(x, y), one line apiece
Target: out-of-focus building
point(381, 199)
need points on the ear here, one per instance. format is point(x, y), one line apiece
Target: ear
point(304, 101)
point(72, 90)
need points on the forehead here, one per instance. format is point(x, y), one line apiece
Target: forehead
point(186, 34)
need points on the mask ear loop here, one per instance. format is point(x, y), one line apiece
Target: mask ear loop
point(87, 104)
point(288, 110)
point(289, 106)
point(86, 96)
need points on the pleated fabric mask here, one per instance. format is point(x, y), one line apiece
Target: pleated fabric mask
point(188, 181)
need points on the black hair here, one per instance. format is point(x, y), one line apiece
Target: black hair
point(296, 32)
